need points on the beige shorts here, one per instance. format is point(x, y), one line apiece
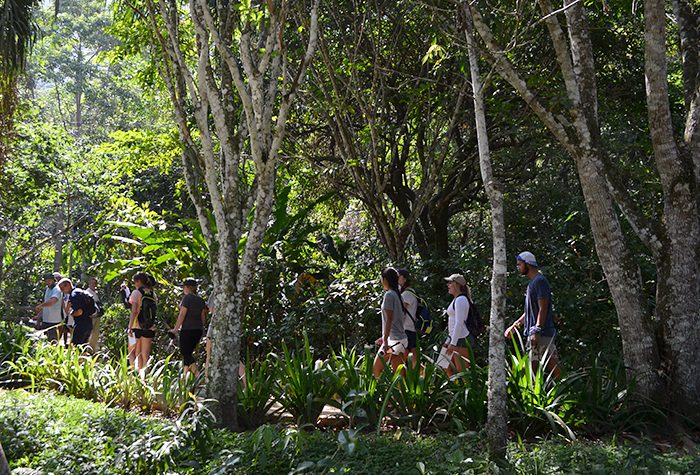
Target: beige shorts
point(545, 349)
point(396, 347)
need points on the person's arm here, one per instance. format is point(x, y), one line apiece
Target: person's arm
point(180, 318)
point(461, 314)
point(516, 324)
point(77, 306)
point(388, 320)
point(541, 318)
point(48, 303)
point(39, 308)
point(135, 309)
point(205, 310)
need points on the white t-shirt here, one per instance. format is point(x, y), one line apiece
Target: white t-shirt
point(458, 312)
point(52, 313)
point(410, 303)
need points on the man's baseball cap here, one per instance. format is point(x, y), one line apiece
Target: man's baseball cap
point(49, 275)
point(459, 278)
point(65, 280)
point(528, 258)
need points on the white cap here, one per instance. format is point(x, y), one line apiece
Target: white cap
point(528, 258)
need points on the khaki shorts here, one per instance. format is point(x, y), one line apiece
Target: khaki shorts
point(545, 349)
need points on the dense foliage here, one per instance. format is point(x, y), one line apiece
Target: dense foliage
point(79, 437)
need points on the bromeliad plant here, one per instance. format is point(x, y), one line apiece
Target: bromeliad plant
point(361, 394)
point(254, 398)
point(304, 385)
point(419, 393)
point(468, 406)
point(97, 377)
point(536, 399)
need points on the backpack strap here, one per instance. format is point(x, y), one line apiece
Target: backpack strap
point(461, 295)
point(405, 310)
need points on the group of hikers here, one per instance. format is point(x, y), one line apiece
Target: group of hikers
point(73, 314)
point(68, 310)
point(400, 311)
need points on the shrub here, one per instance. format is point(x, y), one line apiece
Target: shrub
point(361, 394)
point(304, 385)
point(254, 399)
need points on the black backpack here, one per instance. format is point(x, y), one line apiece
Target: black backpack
point(422, 320)
point(474, 323)
point(90, 306)
point(149, 308)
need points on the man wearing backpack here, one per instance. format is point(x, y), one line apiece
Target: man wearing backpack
point(538, 317)
point(80, 306)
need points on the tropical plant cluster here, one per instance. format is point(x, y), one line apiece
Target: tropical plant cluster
point(298, 383)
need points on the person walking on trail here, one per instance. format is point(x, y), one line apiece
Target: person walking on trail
point(393, 342)
point(94, 340)
point(190, 323)
point(141, 323)
point(80, 306)
point(49, 312)
point(455, 354)
point(538, 317)
point(410, 304)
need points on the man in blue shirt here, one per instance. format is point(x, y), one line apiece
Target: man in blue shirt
point(80, 306)
point(538, 317)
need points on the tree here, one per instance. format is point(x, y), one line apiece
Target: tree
point(17, 34)
point(497, 418)
point(672, 241)
point(231, 91)
point(391, 111)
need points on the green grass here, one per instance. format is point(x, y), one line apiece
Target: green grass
point(64, 435)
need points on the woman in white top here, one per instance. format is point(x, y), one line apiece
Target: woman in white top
point(456, 347)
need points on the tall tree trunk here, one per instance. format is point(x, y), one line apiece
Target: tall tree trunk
point(59, 229)
point(580, 137)
point(677, 280)
point(496, 423)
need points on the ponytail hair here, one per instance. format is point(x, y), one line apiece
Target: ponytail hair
point(146, 279)
point(392, 277)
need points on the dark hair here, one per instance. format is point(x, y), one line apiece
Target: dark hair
point(404, 272)
point(145, 278)
point(392, 277)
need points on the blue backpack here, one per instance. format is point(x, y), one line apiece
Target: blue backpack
point(422, 320)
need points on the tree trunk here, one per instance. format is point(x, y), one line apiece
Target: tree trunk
point(58, 238)
point(225, 356)
point(4, 467)
point(677, 279)
point(497, 419)
point(580, 137)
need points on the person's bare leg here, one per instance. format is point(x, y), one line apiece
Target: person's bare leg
point(207, 347)
point(397, 360)
point(553, 366)
point(378, 366)
point(145, 352)
point(137, 354)
point(241, 374)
